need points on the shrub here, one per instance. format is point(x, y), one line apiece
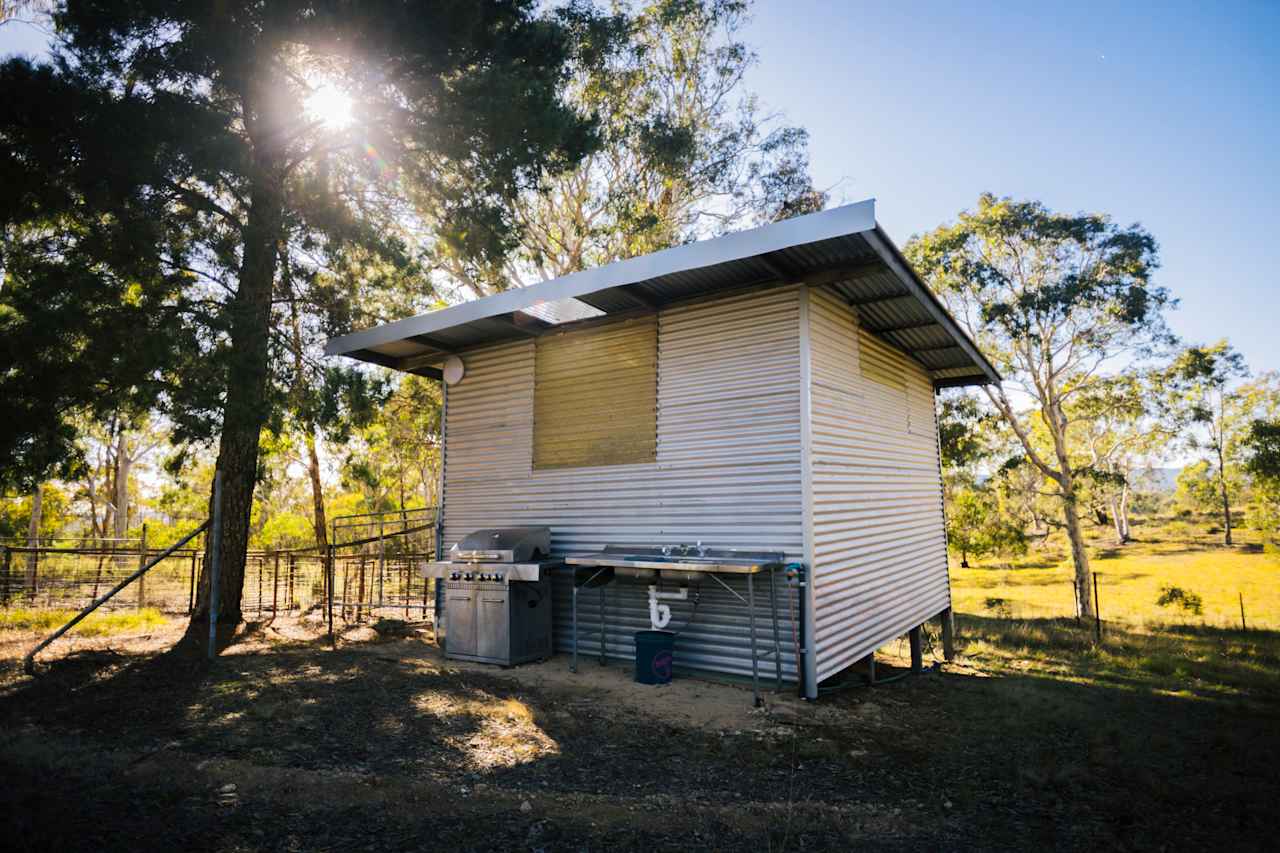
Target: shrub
point(1000, 607)
point(1171, 596)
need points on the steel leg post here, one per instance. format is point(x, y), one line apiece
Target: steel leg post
point(751, 619)
point(777, 644)
point(602, 634)
point(573, 665)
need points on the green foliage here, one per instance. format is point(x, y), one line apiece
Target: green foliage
point(164, 180)
point(966, 431)
point(285, 530)
point(1175, 596)
point(999, 607)
point(1197, 487)
point(977, 526)
point(1262, 446)
point(1262, 450)
point(55, 514)
point(686, 151)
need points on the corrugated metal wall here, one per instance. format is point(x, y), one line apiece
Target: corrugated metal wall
point(727, 471)
point(879, 553)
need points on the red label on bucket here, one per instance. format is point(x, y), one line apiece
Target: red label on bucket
point(662, 665)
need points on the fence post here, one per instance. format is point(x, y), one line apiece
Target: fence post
point(1243, 626)
point(191, 587)
point(382, 567)
point(1097, 611)
point(215, 549)
point(8, 564)
point(142, 561)
point(275, 585)
point(33, 570)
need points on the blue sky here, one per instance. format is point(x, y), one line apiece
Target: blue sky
point(1163, 114)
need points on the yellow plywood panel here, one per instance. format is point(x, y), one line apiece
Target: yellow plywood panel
point(595, 399)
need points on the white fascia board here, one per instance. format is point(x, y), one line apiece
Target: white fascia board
point(811, 228)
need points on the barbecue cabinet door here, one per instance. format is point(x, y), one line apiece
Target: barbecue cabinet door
point(493, 635)
point(460, 612)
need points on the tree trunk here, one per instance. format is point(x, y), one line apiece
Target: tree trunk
point(1079, 555)
point(1122, 515)
point(244, 411)
point(123, 463)
point(33, 538)
point(1226, 501)
point(1070, 510)
point(319, 522)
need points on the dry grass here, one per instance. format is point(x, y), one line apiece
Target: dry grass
point(98, 624)
point(1130, 579)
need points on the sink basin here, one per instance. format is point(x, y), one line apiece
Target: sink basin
point(717, 560)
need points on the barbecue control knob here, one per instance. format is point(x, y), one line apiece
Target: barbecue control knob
point(467, 576)
point(482, 576)
point(497, 576)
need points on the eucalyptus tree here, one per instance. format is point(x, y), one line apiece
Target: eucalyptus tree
point(175, 159)
point(1199, 385)
point(1262, 462)
point(687, 151)
point(1123, 430)
point(1058, 302)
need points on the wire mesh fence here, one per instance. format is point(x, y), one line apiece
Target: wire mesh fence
point(61, 577)
point(70, 575)
point(374, 560)
point(377, 557)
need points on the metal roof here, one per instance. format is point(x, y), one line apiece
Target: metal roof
point(843, 248)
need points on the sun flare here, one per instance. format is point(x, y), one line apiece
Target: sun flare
point(330, 106)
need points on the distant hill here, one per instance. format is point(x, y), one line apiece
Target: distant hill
point(1155, 480)
point(1158, 479)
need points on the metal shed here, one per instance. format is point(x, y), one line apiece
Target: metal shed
point(793, 372)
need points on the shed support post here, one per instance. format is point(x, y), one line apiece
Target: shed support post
point(917, 652)
point(947, 618)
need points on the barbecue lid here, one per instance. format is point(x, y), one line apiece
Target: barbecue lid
point(510, 544)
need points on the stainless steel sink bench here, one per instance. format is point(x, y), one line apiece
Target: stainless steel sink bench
point(683, 565)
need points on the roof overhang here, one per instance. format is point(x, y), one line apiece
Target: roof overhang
point(842, 248)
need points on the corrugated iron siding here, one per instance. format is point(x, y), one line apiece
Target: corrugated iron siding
point(727, 472)
point(879, 556)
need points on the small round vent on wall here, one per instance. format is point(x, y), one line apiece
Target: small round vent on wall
point(453, 370)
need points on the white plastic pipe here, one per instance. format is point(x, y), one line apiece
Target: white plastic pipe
point(660, 614)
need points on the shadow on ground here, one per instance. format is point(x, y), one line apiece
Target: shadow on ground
point(385, 746)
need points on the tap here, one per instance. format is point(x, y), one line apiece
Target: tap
point(666, 550)
point(702, 552)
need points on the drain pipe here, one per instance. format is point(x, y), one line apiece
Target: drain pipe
point(438, 604)
point(660, 614)
point(805, 665)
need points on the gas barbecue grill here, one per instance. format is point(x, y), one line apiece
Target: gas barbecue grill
point(498, 595)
